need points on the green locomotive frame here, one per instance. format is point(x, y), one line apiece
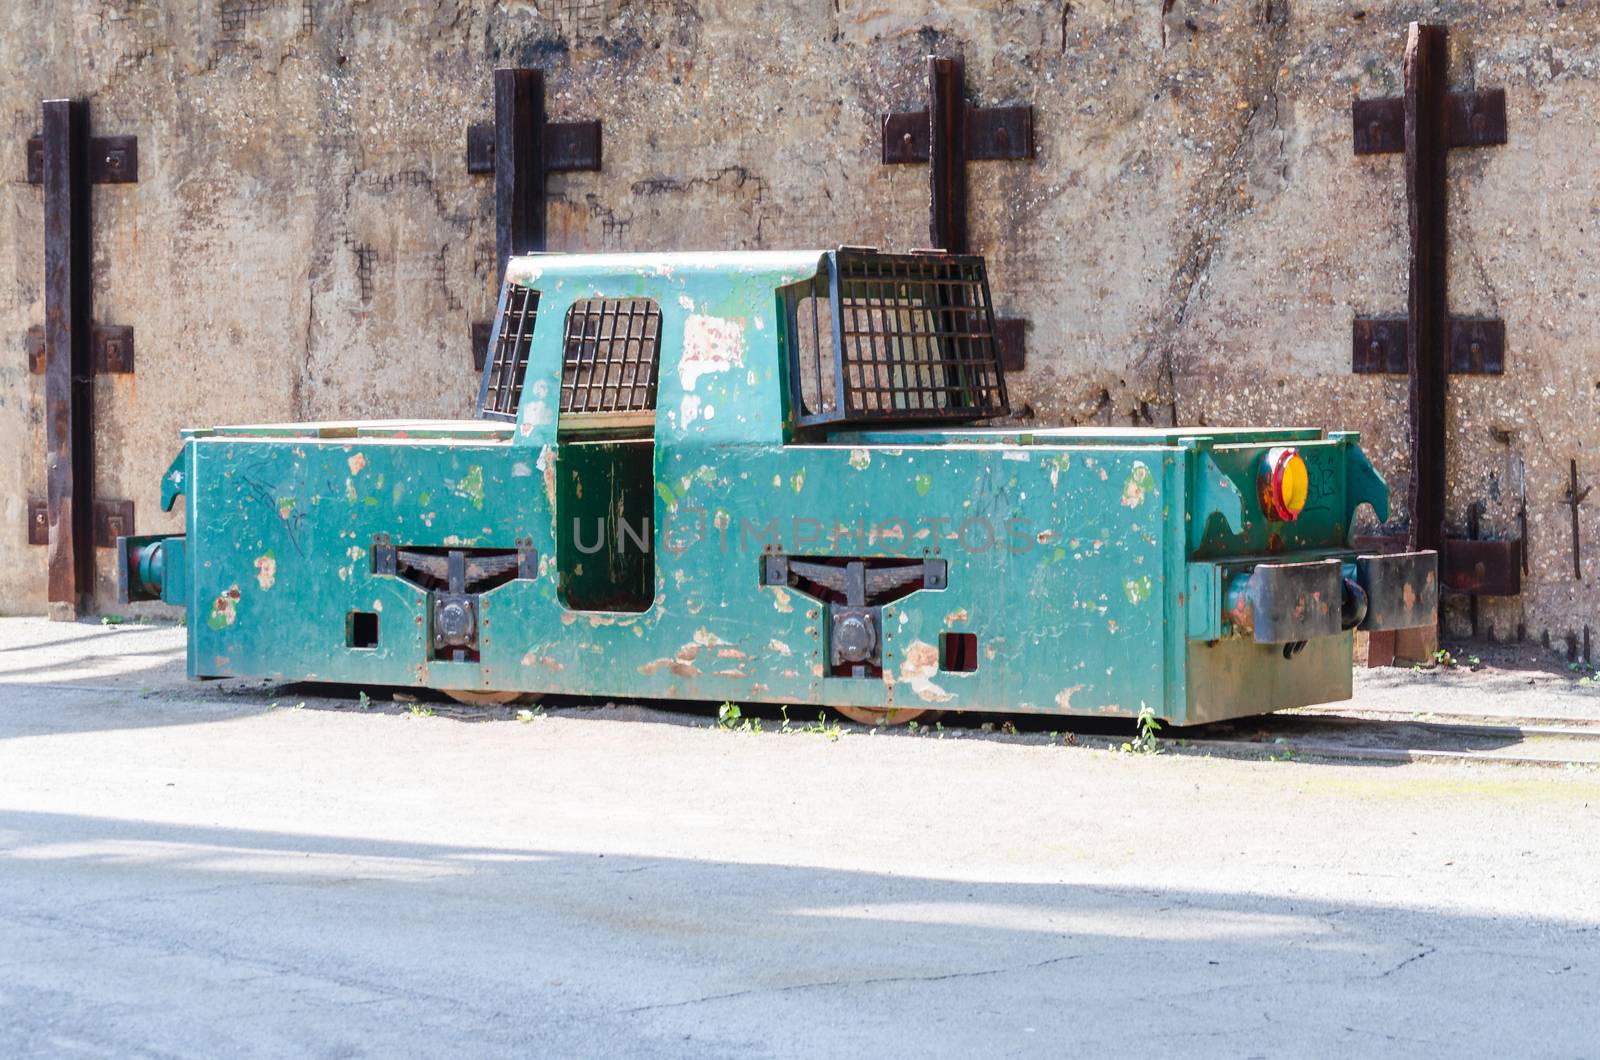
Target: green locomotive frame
point(757, 477)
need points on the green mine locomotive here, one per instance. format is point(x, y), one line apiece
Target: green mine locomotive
point(756, 477)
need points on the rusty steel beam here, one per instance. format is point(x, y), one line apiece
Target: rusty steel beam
point(947, 134)
point(947, 154)
point(1427, 141)
point(68, 357)
point(1426, 122)
point(521, 148)
point(519, 220)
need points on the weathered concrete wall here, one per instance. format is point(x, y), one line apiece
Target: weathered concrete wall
point(1195, 234)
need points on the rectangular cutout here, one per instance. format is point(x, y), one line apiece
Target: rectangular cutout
point(958, 652)
point(361, 629)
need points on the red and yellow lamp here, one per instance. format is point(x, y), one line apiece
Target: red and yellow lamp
point(1284, 484)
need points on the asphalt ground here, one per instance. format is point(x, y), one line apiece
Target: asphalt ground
point(231, 869)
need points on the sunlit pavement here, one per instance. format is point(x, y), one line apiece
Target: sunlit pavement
point(216, 869)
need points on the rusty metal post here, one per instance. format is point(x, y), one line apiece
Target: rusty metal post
point(951, 132)
point(1427, 141)
point(947, 154)
point(521, 148)
point(69, 369)
point(519, 169)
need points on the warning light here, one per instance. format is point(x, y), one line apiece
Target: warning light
point(1285, 484)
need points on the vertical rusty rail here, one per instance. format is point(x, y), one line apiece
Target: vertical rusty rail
point(69, 368)
point(519, 165)
point(947, 154)
point(1427, 141)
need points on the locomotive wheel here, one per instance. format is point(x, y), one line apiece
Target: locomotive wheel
point(890, 716)
point(491, 699)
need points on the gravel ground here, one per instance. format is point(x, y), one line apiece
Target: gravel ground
point(215, 869)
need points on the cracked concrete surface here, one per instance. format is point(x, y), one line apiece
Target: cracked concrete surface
point(191, 871)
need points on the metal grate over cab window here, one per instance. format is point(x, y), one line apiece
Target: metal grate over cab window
point(612, 356)
point(513, 338)
point(893, 337)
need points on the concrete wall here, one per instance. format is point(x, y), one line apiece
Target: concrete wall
point(1195, 234)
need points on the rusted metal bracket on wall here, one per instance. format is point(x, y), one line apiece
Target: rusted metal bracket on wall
point(520, 148)
point(1428, 344)
point(948, 134)
point(69, 349)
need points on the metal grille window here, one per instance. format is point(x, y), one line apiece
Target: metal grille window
point(513, 338)
point(611, 358)
point(899, 337)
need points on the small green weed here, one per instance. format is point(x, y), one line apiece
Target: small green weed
point(366, 700)
point(420, 711)
point(1146, 741)
point(526, 714)
point(731, 719)
point(112, 620)
point(821, 727)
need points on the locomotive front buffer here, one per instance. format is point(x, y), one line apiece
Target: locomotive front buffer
point(765, 477)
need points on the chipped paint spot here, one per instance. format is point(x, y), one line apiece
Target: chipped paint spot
point(266, 570)
point(471, 486)
point(689, 410)
point(686, 302)
point(1137, 589)
point(1014, 454)
point(548, 662)
point(921, 662)
point(782, 601)
point(778, 647)
point(860, 459)
point(1064, 697)
point(797, 481)
point(224, 609)
point(547, 467)
point(680, 664)
point(711, 412)
point(952, 618)
point(710, 345)
point(520, 469)
point(1140, 482)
